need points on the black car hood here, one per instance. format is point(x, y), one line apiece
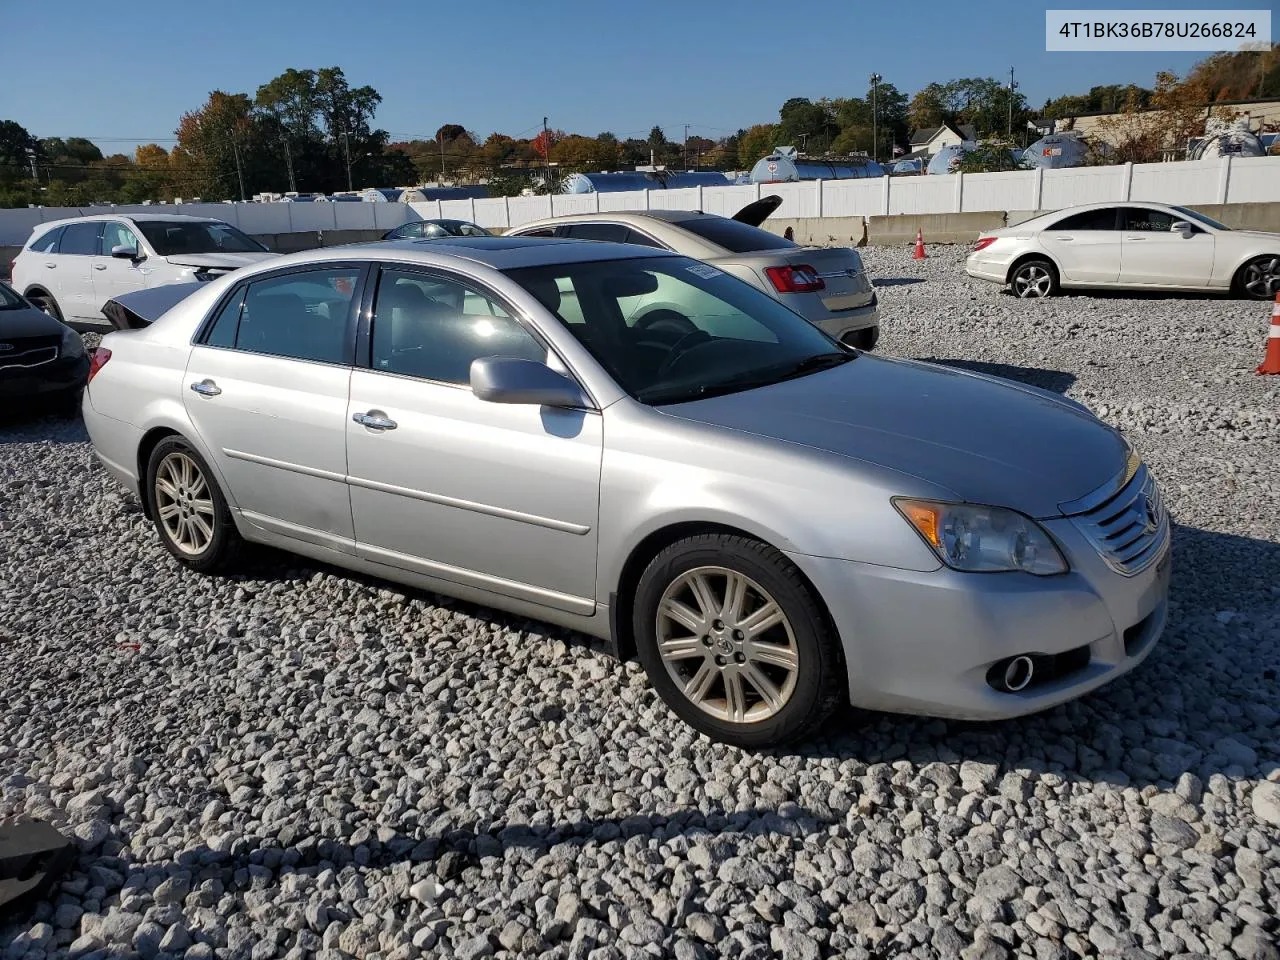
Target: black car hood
point(27, 322)
point(141, 308)
point(758, 211)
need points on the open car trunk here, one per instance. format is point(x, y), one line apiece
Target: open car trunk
point(758, 211)
point(141, 308)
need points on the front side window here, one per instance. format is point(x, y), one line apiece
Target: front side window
point(433, 327)
point(670, 329)
point(47, 242)
point(80, 239)
point(303, 316)
point(1196, 216)
point(1089, 220)
point(117, 235)
point(1138, 220)
point(170, 237)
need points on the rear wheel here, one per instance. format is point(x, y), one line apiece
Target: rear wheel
point(735, 642)
point(189, 510)
point(1034, 279)
point(1259, 279)
point(46, 303)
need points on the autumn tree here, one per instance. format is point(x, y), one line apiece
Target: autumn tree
point(756, 142)
point(1177, 112)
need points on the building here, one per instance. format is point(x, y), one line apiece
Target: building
point(928, 141)
point(1260, 115)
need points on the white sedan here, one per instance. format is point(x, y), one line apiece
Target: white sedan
point(1139, 246)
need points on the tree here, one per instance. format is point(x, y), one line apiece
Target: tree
point(203, 162)
point(756, 142)
point(990, 156)
point(930, 107)
point(805, 124)
point(1177, 113)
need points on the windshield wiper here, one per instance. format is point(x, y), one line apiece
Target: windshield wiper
point(819, 361)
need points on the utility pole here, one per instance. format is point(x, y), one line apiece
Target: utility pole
point(31, 155)
point(1012, 87)
point(875, 117)
point(288, 159)
point(440, 137)
point(346, 150)
point(235, 149)
point(684, 149)
point(546, 145)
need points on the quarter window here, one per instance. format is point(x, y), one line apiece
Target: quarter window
point(433, 328)
point(47, 242)
point(80, 239)
point(117, 235)
point(303, 316)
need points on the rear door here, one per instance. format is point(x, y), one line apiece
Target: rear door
point(266, 388)
point(1086, 246)
point(115, 276)
point(71, 276)
point(1153, 254)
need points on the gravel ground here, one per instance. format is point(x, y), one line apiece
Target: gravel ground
point(302, 762)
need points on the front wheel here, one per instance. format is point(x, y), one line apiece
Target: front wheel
point(1034, 279)
point(1259, 279)
point(189, 510)
point(45, 302)
point(735, 642)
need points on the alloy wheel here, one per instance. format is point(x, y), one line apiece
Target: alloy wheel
point(184, 503)
point(727, 644)
point(1261, 279)
point(1032, 281)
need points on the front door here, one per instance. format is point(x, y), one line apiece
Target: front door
point(1154, 254)
point(503, 497)
point(266, 388)
point(113, 276)
point(1086, 246)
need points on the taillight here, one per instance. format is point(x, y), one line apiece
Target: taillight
point(983, 243)
point(798, 279)
point(99, 360)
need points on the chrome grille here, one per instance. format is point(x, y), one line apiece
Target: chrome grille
point(28, 358)
point(1130, 529)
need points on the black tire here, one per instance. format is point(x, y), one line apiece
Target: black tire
point(224, 546)
point(1259, 278)
point(819, 679)
point(864, 340)
point(46, 303)
point(1034, 279)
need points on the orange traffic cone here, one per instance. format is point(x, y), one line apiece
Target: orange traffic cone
point(1271, 360)
point(919, 254)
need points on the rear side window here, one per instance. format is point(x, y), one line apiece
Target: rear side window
point(223, 331)
point(609, 232)
point(80, 239)
point(734, 235)
point(302, 316)
point(1089, 220)
point(47, 242)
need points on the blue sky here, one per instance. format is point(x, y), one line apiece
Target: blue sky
point(123, 73)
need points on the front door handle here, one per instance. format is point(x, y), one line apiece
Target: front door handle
point(1135, 238)
point(51, 266)
point(374, 420)
point(99, 266)
point(206, 388)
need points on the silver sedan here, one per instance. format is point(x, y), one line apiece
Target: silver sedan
point(772, 522)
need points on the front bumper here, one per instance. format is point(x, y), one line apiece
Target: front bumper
point(57, 378)
point(923, 643)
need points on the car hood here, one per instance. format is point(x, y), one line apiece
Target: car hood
point(228, 261)
point(988, 440)
point(27, 322)
point(1256, 234)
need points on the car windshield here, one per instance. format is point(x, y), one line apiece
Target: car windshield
point(671, 329)
point(734, 235)
point(169, 237)
point(1208, 221)
point(9, 300)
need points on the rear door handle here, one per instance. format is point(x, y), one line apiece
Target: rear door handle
point(50, 266)
point(99, 266)
point(1135, 238)
point(206, 388)
point(374, 420)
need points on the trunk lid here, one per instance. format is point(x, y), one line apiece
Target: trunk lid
point(846, 285)
point(141, 308)
point(758, 211)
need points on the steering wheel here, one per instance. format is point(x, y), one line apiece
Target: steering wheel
point(681, 347)
point(664, 320)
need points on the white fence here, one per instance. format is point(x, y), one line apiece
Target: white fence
point(1225, 180)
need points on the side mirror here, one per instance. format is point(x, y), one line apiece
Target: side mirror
point(121, 252)
point(510, 380)
point(1182, 227)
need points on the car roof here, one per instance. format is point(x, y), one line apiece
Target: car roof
point(498, 253)
point(135, 217)
point(637, 217)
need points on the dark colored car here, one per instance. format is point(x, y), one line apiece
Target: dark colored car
point(43, 363)
point(434, 229)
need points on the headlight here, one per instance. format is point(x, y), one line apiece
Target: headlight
point(72, 343)
point(980, 539)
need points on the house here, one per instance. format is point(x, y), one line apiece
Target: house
point(927, 142)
